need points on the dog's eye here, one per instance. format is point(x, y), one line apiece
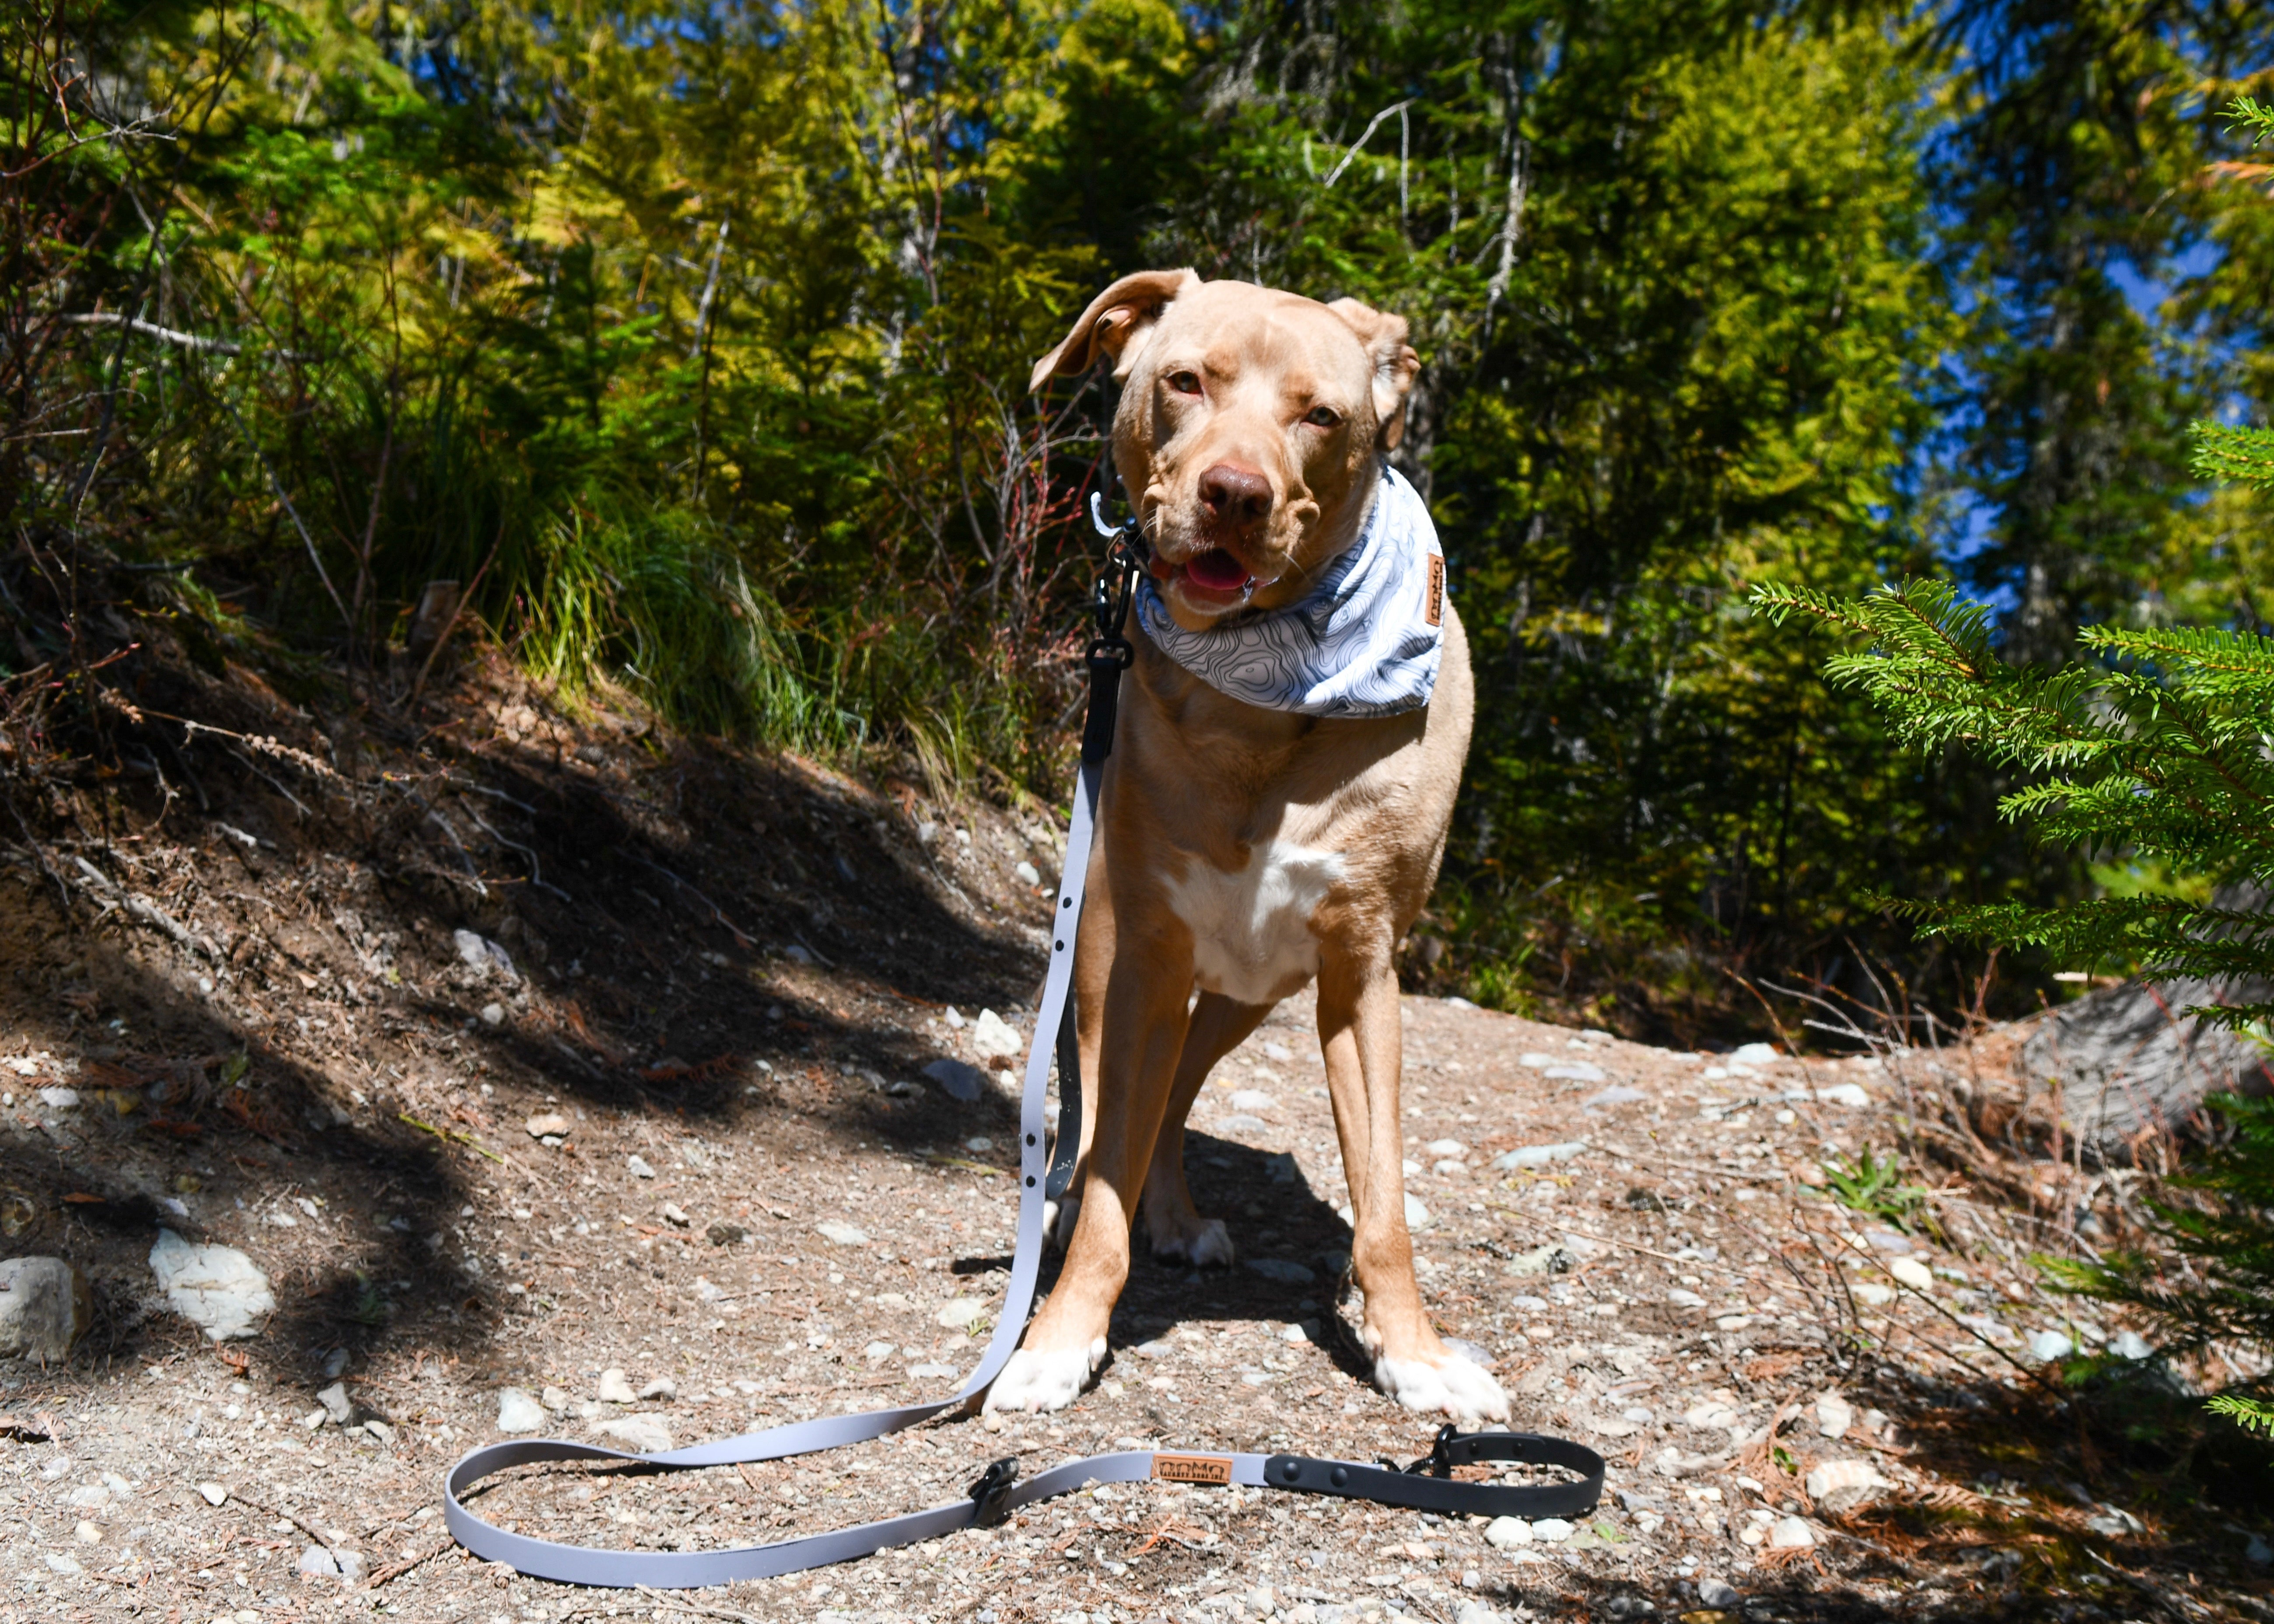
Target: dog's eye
point(1185, 383)
point(1322, 417)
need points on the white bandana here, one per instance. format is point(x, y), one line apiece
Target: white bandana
point(1364, 642)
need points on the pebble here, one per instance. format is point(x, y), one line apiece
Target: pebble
point(59, 1099)
point(1507, 1533)
point(960, 1079)
point(1539, 1156)
point(215, 1493)
point(554, 1399)
point(338, 1406)
point(614, 1389)
point(1028, 873)
point(724, 1234)
point(1552, 1530)
point(661, 1387)
point(1834, 1416)
point(548, 1125)
point(637, 1167)
point(218, 1289)
point(494, 1014)
point(1472, 1611)
point(643, 1433)
point(1575, 1072)
point(675, 1215)
point(518, 1412)
point(841, 1234)
point(1417, 1217)
point(2050, 1345)
point(1912, 1272)
point(1790, 1533)
point(961, 1313)
point(1839, 1486)
point(1445, 1149)
point(1253, 1099)
point(44, 1308)
point(1617, 1093)
point(993, 1038)
point(1720, 1592)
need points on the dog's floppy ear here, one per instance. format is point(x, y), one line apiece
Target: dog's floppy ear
point(1395, 364)
point(1114, 317)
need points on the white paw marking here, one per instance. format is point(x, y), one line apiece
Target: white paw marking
point(1058, 1220)
point(1453, 1385)
point(1037, 1380)
point(1207, 1246)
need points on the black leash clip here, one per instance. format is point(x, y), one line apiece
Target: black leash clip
point(1438, 1461)
point(1110, 653)
point(993, 1488)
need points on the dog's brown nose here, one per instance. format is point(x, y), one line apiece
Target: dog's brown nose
point(1236, 494)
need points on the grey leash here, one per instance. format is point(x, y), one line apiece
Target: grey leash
point(1042, 1177)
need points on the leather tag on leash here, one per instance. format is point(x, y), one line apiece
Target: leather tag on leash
point(1213, 1469)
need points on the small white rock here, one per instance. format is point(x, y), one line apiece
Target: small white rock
point(1507, 1533)
point(637, 1167)
point(661, 1387)
point(643, 1433)
point(1839, 1486)
point(1912, 1272)
point(615, 1388)
point(518, 1412)
point(215, 1288)
point(1552, 1530)
point(675, 1215)
point(1834, 1416)
point(494, 1014)
point(214, 1493)
point(992, 1038)
point(1417, 1217)
point(1031, 874)
point(1790, 1533)
point(841, 1234)
point(962, 1314)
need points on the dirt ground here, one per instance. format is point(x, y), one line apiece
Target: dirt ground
point(311, 986)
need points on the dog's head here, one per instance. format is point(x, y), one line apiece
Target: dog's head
point(1250, 426)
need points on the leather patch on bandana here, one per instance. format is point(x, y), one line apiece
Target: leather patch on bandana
point(1215, 1469)
point(1435, 606)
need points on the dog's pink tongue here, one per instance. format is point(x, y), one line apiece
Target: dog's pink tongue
point(1218, 571)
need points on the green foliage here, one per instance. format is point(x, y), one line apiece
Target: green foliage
point(2248, 1413)
point(1874, 1188)
point(2153, 753)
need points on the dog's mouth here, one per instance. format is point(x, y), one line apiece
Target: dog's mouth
point(1215, 576)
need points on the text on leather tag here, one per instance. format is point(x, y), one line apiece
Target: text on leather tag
point(1215, 1469)
point(1436, 600)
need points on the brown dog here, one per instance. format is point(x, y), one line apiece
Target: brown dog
point(1244, 851)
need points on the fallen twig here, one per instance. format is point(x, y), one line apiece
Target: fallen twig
point(395, 1570)
point(452, 1136)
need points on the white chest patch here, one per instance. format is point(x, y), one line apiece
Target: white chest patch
point(1252, 937)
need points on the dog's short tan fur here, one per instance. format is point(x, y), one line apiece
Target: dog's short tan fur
point(1245, 852)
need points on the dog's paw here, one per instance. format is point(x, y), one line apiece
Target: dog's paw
point(1204, 1242)
point(1037, 1381)
point(1452, 1386)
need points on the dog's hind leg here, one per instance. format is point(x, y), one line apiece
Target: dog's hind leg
point(1172, 1223)
point(1360, 1035)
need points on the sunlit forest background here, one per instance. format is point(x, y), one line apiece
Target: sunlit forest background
point(693, 337)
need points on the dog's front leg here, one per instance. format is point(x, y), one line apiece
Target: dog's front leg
point(1362, 1045)
point(1144, 1032)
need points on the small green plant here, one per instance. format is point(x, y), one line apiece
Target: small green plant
point(1871, 1187)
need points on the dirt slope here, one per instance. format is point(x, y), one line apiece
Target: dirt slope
point(324, 978)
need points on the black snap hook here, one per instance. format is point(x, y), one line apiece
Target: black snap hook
point(993, 1488)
